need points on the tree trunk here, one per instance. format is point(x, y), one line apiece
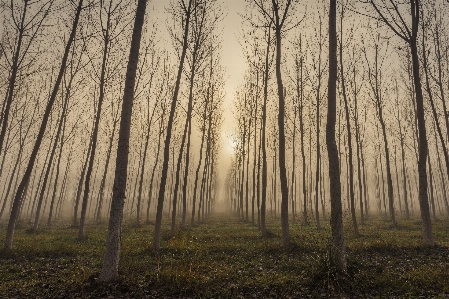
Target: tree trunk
point(142, 170)
point(63, 187)
point(186, 175)
point(318, 147)
point(263, 209)
point(49, 166)
point(105, 172)
point(247, 170)
point(358, 146)
point(387, 164)
point(150, 191)
point(423, 146)
point(281, 126)
point(338, 245)
point(181, 149)
point(96, 126)
point(259, 177)
point(242, 176)
point(253, 198)
point(80, 187)
point(53, 197)
point(192, 221)
point(109, 270)
point(434, 110)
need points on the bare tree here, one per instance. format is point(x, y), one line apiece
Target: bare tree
point(390, 14)
point(27, 27)
point(375, 82)
point(338, 243)
point(281, 12)
point(186, 12)
point(109, 270)
point(348, 127)
point(26, 177)
point(108, 36)
point(263, 137)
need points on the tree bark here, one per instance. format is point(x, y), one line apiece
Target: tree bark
point(338, 244)
point(263, 209)
point(109, 270)
point(348, 128)
point(279, 22)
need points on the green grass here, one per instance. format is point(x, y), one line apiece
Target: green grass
point(227, 258)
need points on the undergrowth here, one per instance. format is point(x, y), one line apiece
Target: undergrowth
point(228, 258)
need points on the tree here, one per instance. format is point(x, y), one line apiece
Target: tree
point(338, 242)
point(26, 27)
point(278, 19)
point(187, 12)
point(26, 177)
point(109, 270)
point(410, 35)
point(263, 137)
point(108, 36)
point(200, 32)
point(375, 81)
point(348, 127)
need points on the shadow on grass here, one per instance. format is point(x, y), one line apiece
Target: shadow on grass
point(36, 253)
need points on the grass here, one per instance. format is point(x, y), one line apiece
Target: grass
point(227, 258)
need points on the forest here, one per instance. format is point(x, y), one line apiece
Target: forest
point(224, 149)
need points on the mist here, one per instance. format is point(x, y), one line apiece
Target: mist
point(281, 115)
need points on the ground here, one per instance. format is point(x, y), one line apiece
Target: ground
point(227, 258)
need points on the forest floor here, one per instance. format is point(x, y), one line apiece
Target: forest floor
point(227, 258)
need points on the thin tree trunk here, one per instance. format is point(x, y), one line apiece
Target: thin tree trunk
point(142, 170)
point(263, 208)
point(53, 197)
point(150, 191)
point(181, 149)
point(186, 175)
point(358, 146)
point(105, 173)
point(281, 125)
point(404, 176)
point(397, 179)
point(247, 170)
point(200, 162)
point(348, 128)
point(443, 185)
point(431, 191)
point(253, 198)
point(49, 167)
